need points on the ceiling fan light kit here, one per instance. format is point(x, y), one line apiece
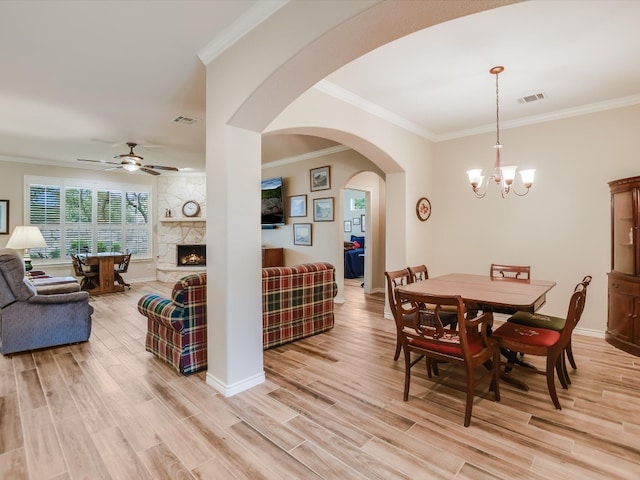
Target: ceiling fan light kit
point(132, 162)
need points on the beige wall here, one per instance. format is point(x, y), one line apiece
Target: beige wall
point(562, 228)
point(11, 188)
point(327, 237)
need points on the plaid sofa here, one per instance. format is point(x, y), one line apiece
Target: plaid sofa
point(177, 327)
point(297, 302)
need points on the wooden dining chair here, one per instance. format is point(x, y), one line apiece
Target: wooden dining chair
point(396, 278)
point(510, 272)
point(418, 273)
point(543, 342)
point(88, 277)
point(120, 268)
point(553, 323)
point(449, 315)
point(469, 346)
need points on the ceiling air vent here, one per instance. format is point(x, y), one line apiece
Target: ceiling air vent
point(186, 120)
point(532, 98)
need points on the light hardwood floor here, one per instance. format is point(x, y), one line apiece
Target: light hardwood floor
point(331, 408)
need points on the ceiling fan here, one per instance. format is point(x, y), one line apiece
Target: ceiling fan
point(132, 162)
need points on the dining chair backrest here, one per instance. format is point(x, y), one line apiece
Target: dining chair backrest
point(510, 272)
point(123, 266)
point(574, 313)
point(77, 265)
point(418, 273)
point(396, 278)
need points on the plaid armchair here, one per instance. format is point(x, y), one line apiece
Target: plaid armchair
point(177, 327)
point(297, 302)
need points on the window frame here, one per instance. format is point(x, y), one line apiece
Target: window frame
point(137, 230)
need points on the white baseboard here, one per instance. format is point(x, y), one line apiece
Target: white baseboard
point(241, 386)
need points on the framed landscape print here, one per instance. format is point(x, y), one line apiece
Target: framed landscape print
point(4, 217)
point(302, 234)
point(320, 178)
point(323, 209)
point(298, 206)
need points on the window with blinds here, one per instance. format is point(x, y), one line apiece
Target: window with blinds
point(81, 219)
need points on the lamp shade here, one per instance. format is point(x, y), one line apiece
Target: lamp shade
point(26, 237)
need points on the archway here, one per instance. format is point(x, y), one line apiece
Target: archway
point(267, 75)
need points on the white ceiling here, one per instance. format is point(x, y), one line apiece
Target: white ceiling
point(79, 79)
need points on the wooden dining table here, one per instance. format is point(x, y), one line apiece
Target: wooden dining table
point(482, 290)
point(105, 264)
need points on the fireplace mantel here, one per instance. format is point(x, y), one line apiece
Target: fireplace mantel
point(183, 220)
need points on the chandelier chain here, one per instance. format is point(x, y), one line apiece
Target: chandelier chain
point(497, 113)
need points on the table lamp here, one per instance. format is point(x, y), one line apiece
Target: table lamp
point(26, 237)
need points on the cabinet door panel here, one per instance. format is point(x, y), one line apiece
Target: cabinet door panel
point(620, 323)
point(623, 233)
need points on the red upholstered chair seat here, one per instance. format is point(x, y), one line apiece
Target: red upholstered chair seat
point(449, 344)
point(528, 335)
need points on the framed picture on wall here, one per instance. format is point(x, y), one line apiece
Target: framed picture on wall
point(356, 221)
point(347, 225)
point(323, 209)
point(298, 206)
point(302, 234)
point(320, 178)
point(4, 217)
point(362, 222)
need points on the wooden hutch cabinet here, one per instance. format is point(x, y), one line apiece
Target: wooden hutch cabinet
point(623, 323)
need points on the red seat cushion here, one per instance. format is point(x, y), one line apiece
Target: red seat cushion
point(450, 346)
point(539, 337)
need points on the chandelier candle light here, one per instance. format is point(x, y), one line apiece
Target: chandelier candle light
point(502, 175)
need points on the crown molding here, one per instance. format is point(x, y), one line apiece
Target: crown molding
point(369, 107)
point(306, 156)
point(238, 29)
point(546, 117)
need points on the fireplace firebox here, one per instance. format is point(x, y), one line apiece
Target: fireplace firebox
point(192, 255)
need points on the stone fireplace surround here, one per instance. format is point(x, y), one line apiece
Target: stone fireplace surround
point(173, 191)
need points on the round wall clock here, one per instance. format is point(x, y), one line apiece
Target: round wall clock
point(191, 208)
point(423, 209)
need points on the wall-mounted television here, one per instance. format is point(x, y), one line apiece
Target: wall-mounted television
point(272, 202)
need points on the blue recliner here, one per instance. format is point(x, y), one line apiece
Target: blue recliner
point(29, 321)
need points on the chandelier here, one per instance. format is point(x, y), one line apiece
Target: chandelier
point(503, 176)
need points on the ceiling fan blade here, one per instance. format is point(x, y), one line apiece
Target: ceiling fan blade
point(160, 167)
point(147, 170)
point(112, 168)
point(97, 161)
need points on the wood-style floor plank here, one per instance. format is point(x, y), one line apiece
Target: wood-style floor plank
point(331, 407)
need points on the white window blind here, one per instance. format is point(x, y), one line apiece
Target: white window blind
point(80, 219)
